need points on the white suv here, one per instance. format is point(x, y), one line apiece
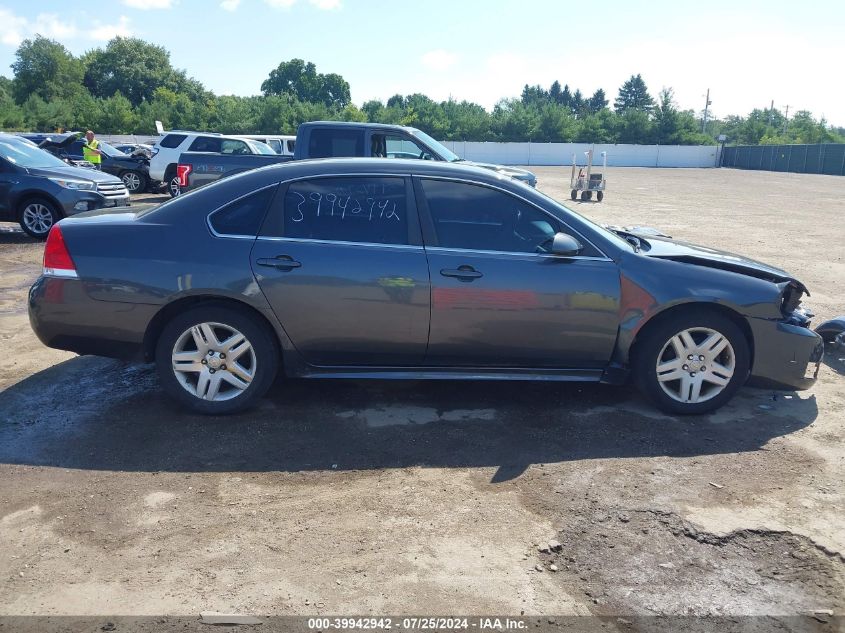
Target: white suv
point(170, 146)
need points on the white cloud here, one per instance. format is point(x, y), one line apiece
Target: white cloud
point(15, 29)
point(230, 5)
point(326, 5)
point(280, 4)
point(145, 5)
point(438, 59)
point(105, 32)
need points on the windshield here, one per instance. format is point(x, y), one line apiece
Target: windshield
point(27, 155)
point(111, 150)
point(261, 148)
point(447, 154)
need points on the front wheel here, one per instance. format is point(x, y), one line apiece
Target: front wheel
point(216, 360)
point(599, 196)
point(37, 217)
point(691, 362)
point(134, 181)
point(574, 194)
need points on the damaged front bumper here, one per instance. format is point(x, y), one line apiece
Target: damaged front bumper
point(787, 353)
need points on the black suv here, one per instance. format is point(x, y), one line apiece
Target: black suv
point(134, 171)
point(37, 189)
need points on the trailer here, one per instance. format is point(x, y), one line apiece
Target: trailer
point(585, 181)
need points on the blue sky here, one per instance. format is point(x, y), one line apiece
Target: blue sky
point(747, 52)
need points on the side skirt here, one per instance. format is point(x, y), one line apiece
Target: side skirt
point(460, 373)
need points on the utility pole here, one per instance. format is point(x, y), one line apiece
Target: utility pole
point(771, 112)
point(707, 104)
point(786, 119)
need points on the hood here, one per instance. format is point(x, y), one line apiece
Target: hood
point(513, 172)
point(676, 250)
point(58, 141)
point(78, 173)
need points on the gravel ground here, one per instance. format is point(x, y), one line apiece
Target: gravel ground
point(348, 497)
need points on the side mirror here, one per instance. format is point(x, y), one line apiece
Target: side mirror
point(565, 245)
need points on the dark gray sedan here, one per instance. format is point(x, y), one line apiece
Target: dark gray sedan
point(352, 268)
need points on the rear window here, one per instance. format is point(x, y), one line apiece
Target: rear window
point(327, 143)
point(244, 216)
point(172, 140)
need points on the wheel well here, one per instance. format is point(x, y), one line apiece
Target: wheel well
point(716, 308)
point(34, 195)
point(163, 316)
point(170, 171)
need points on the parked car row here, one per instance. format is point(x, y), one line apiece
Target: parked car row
point(37, 189)
point(133, 170)
point(326, 139)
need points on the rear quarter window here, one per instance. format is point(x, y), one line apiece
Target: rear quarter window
point(244, 216)
point(172, 140)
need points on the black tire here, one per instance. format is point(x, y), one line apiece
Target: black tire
point(599, 196)
point(37, 216)
point(134, 181)
point(586, 195)
point(171, 182)
point(259, 336)
point(656, 340)
point(574, 194)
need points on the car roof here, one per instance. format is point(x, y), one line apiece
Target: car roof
point(374, 126)
point(380, 166)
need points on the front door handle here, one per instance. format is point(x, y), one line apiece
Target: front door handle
point(279, 262)
point(463, 273)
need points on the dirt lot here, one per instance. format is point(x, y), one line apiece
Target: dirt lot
point(438, 498)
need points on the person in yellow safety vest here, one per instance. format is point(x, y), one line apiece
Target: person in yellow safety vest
point(91, 151)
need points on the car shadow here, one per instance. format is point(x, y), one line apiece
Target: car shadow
point(98, 414)
point(834, 358)
point(14, 234)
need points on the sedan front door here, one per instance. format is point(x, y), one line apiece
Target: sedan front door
point(498, 298)
point(341, 261)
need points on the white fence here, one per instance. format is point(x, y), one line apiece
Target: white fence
point(561, 154)
point(556, 153)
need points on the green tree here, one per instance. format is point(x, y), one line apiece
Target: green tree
point(117, 115)
point(300, 79)
point(130, 66)
point(597, 102)
point(45, 68)
point(633, 95)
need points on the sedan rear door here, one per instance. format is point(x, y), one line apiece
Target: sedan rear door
point(341, 261)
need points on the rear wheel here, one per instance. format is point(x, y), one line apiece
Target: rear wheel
point(134, 181)
point(216, 360)
point(691, 362)
point(172, 181)
point(574, 194)
point(37, 217)
point(599, 196)
point(586, 195)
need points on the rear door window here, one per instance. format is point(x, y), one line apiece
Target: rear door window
point(276, 144)
point(370, 210)
point(205, 144)
point(231, 146)
point(172, 140)
point(328, 142)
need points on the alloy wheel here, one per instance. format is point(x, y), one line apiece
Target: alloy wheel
point(38, 218)
point(132, 181)
point(695, 365)
point(214, 361)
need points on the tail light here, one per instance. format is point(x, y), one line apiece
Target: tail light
point(57, 259)
point(182, 172)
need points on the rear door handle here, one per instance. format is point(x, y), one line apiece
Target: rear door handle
point(464, 273)
point(279, 262)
